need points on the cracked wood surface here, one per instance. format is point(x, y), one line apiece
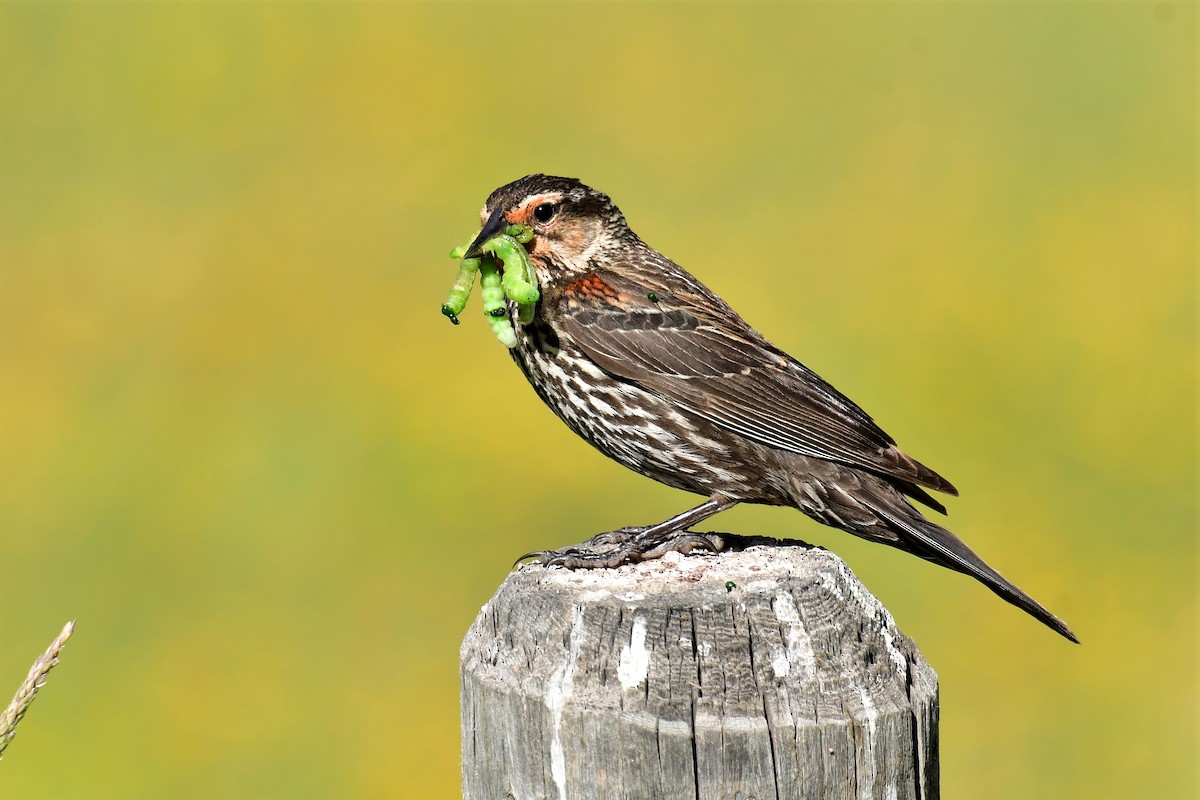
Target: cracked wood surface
point(655, 680)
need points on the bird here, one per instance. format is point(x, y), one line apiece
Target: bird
point(648, 365)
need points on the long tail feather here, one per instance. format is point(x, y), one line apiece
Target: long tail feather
point(936, 544)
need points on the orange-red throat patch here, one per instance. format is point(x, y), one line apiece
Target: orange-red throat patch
point(592, 287)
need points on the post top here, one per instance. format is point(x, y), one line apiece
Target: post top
point(679, 578)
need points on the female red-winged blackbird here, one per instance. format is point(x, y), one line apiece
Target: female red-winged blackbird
point(649, 366)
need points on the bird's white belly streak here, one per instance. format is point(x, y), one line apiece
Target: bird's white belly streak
point(628, 424)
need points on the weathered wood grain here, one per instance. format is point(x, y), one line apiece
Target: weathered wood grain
point(656, 681)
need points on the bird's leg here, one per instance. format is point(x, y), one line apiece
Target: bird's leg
point(613, 548)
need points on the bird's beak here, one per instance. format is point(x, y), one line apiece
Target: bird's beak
point(493, 226)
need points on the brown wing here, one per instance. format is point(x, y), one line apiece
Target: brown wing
point(692, 349)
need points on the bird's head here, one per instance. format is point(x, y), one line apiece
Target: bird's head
point(572, 223)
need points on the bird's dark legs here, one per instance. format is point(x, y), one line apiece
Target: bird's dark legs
point(613, 548)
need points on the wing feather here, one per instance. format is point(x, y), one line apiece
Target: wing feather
point(692, 349)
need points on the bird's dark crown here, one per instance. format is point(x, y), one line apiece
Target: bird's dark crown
point(576, 198)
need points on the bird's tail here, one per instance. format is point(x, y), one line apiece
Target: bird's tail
point(934, 543)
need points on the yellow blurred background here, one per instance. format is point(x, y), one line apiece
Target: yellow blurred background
point(240, 445)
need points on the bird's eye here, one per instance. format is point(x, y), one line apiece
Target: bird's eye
point(545, 212)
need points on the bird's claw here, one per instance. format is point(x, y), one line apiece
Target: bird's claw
point(685, 542)
point(617, 537)
point(625, 546)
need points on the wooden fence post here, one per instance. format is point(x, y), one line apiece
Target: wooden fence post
point(766, 673)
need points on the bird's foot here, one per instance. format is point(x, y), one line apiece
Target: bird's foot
point(611, 538)
point(626, 546)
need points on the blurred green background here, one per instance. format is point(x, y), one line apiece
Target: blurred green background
point(240, 445)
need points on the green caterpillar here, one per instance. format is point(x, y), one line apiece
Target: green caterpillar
point(461, 289)
point(518, 283)
point(522, 233)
